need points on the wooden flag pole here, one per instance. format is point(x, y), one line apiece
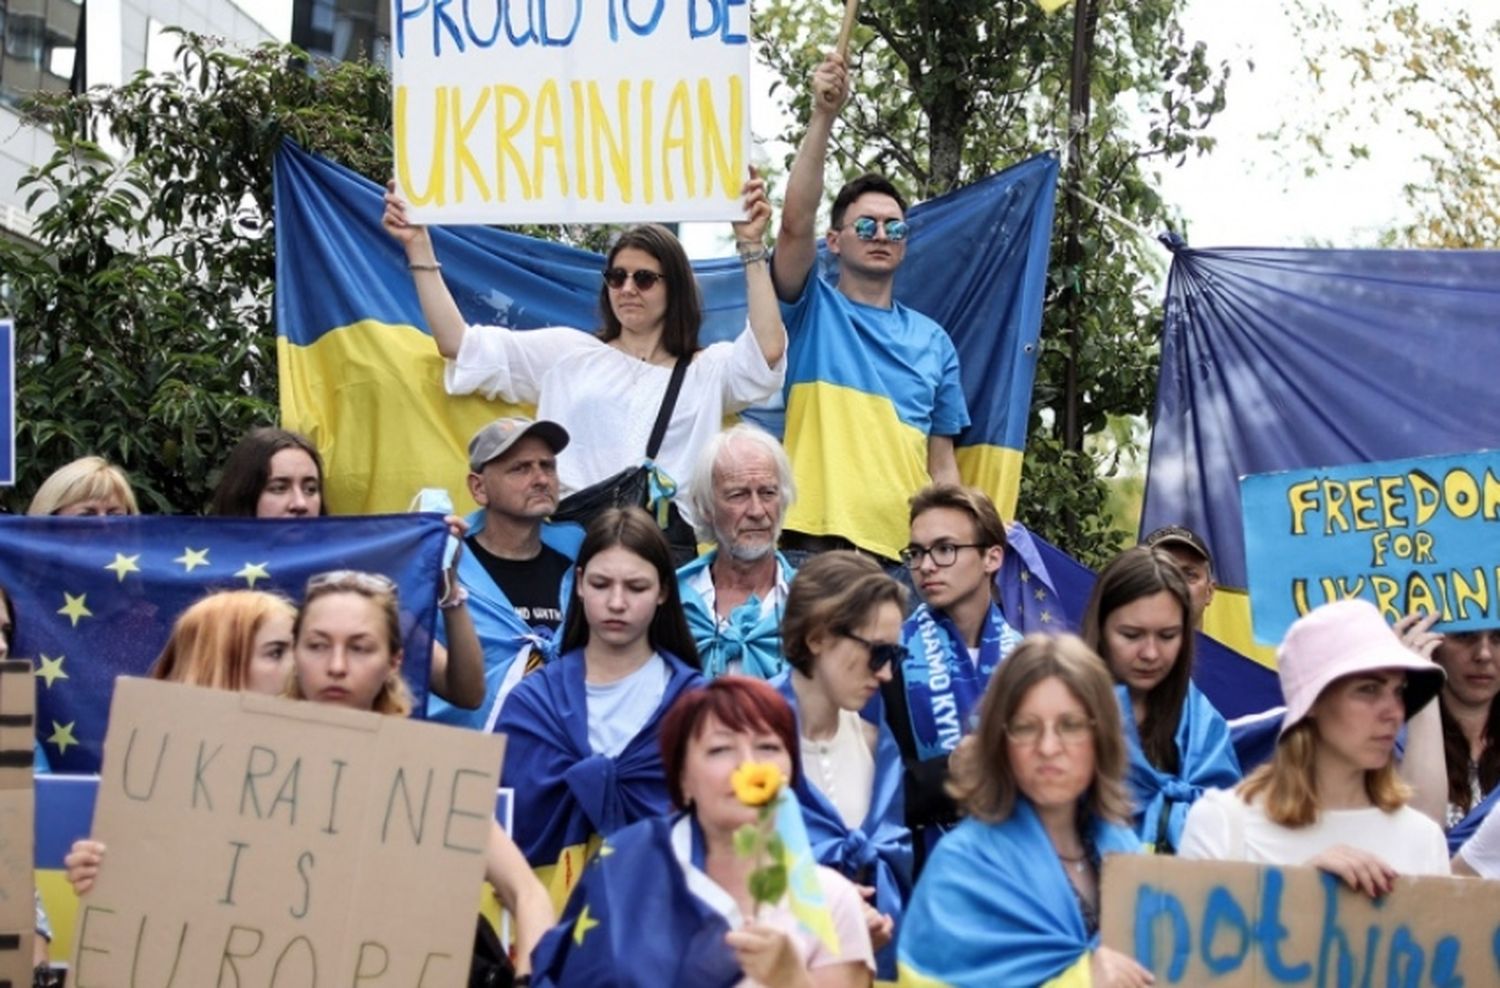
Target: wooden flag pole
point(851, 11)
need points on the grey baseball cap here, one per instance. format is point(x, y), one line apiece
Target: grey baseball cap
point(500, 435)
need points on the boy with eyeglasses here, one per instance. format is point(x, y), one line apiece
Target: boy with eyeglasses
point(954, 642)
point(873, 395)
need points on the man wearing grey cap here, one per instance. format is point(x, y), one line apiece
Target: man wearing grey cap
point(517, 566)
point(1192, 557)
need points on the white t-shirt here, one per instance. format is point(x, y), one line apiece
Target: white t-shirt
point(1482, 850)
point(618, 710)
point(608, 400)
point(1223, 827)
point(843, 768)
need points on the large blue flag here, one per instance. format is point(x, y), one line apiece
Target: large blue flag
point(360, 374)
point(95, 598)
point(1282, 359)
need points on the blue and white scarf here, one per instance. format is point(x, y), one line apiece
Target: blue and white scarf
point(943, 685)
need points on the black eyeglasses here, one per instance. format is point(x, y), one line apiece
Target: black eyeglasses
point(895, 230)
point(943, 554)
point(644, 280)
point(882, 654)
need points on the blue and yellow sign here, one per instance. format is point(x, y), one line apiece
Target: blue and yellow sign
point(1418, 534)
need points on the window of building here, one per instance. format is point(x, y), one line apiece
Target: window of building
point(38, 45)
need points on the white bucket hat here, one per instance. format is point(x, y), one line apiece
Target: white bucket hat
point(1341, 639)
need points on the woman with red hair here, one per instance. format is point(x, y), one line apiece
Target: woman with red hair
point(685, 873)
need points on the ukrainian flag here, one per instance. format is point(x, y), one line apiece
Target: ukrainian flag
point(361, 376)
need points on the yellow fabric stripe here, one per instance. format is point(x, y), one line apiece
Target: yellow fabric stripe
point(856, 465)
point(1228, 620)
point(559, 879)
point(909, 977)
point(62, 910)
point(1080, 975)
point(371, 397)
point(996, 470)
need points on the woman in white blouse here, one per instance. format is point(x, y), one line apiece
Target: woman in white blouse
point(605, 389)
point(1331, 796)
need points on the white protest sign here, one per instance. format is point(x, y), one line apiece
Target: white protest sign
point(553, 111)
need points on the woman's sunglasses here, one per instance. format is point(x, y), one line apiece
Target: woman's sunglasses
point(644, 280)
point(882, 654)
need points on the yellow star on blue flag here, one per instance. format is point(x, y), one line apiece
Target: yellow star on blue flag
point(51, 670)
point(75, 609)
point(62, 736)
point(251, 572)
point(108, 601)
point(124, 564)
point(192, 558)
point(582, 926)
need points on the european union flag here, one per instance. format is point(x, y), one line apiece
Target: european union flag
point(634, 922)
point(95, 598)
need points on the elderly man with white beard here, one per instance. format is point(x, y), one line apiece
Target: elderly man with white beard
point(733, 594)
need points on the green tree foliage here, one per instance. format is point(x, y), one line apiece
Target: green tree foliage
point(143, 312)
point(1427, 79)
point(947, 93)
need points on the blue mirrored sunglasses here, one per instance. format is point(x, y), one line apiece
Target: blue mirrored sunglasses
point(895, 230)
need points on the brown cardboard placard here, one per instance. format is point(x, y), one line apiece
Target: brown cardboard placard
point(1253, 926)
point(17, 812)
point(256, 841)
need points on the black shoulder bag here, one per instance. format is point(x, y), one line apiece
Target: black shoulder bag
point(630, 487)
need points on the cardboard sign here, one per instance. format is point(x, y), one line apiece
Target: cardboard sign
point(64, 814)
point(7, 402)
point(1410, 535)
point(17, 892)
point(566, 111)
point(1249, 926)
point(255, 841)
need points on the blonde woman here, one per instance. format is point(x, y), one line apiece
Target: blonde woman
point(232, 640)
point(88, 487)
point(1331, 797)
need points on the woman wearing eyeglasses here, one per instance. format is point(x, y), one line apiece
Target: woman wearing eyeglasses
point(606, 389)
point(1011, 895)
point(346, 650)
point(1139, 620)
point(841, 633)
point(581, 749)
point(954, 642)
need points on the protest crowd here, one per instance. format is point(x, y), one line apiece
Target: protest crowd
point(958, 776)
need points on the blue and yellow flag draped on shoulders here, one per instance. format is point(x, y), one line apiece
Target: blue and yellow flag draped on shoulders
point(98, 596)
point(1285, 359)
point(567, 796)
point(993, 907)
point(1206, 761)
point(598, 939)
point(361, 376)
point(878, 852)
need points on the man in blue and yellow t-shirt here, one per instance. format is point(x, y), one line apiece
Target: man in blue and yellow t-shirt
point(873, 397)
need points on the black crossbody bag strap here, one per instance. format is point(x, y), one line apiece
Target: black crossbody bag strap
point(668, 402)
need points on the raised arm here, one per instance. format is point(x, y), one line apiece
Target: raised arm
point(750, 239)
point(444, 320)
point(457, 672)
point(518, 890)
point(797, 243)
